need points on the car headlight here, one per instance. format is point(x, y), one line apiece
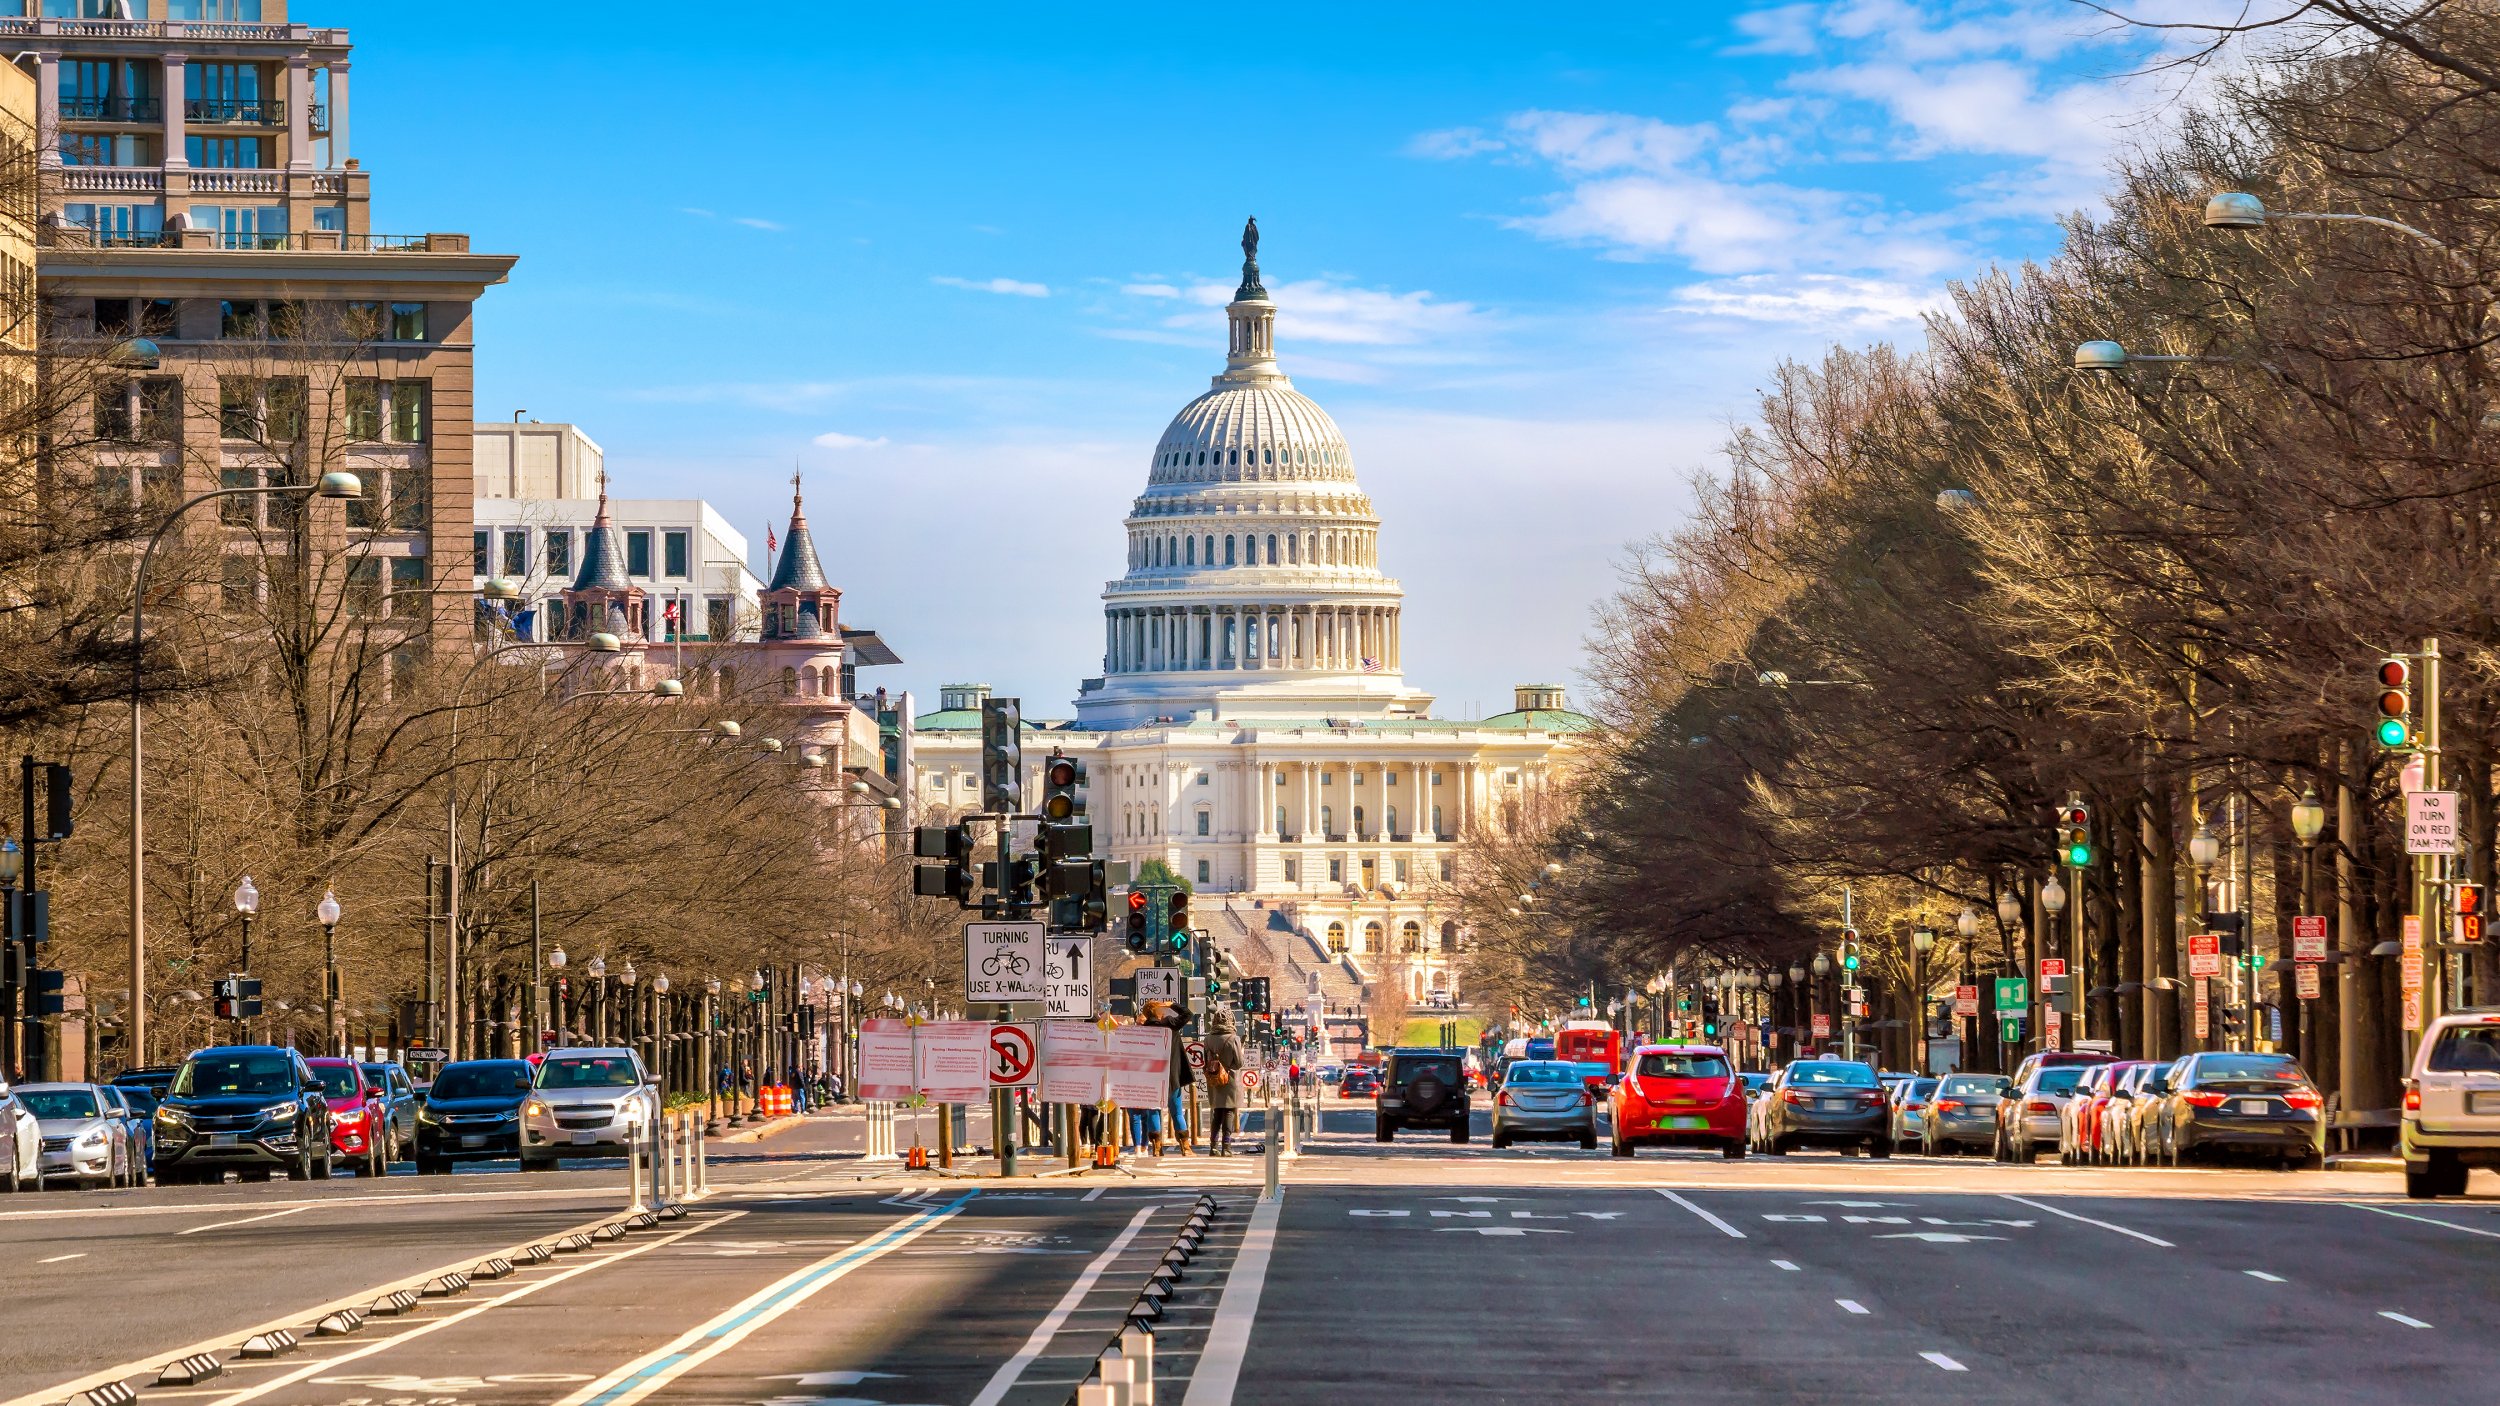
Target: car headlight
point(428, 1115)
point(172, 1117)
point(278, 1110)
point(535, 1108)
point(92, 1137)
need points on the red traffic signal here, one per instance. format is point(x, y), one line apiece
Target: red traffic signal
point(1062, 771)
point(2469, 898)
point(2077, 815)
point(1137, 900)
point(2394, 679)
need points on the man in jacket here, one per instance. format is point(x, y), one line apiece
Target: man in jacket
point(1162, 1013)
point(1224, 1062)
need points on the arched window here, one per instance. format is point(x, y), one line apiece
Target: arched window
point(1328, 821)
point(1358, 820)
point(1436, 822)
point(1336, 937)
point(1210, 549)
point(789, 681)
point(1411, 937)
point(1193, 551)
point(1374, 937)
point(1390, 820)
point(1293, 550)
point(1228, 551)
point(1280, 820)
point(1271, 549)
point(1205, 818)
point(1449, 935)
point(1154, 552)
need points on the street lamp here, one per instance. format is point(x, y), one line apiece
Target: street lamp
point(246, 903)
point(2053, 896)
point(328, 911)
point(1922, 942)
point(12, 863)
point(2009, 907)
point(332, 485)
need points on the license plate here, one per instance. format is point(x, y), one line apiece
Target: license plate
point(2482, 1103)
point(473, 1140)
point(1832, 1105)
point(1685, 1124)
point(223, 1139)
point(584, 1139)
point(2256, 1105)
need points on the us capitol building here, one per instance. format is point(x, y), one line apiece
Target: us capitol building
point(1251, 726)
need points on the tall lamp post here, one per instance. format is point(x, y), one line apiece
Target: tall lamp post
point(2204, 848)
point(332, 485)
point(563, 1021)
point(711, 1056)
point(246, 904)
point(598, 970)
point(1967, 926)
point(2308, 823)
point(2009, 920)
point(659, 1033)
point(2053, 901)
point(1770, 1008)
point(1922, 942)
point(1822, 969)
point(327, 910)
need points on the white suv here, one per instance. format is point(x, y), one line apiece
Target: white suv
point(2452, 1104)
point(586, 1103)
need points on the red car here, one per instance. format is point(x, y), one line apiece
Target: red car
point(359, 1120)
point(1679, 1096)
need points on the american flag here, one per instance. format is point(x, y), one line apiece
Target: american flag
point(1371, 666)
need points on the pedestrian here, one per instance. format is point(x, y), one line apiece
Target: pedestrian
point(1224, 1061)
point(1177, 1065)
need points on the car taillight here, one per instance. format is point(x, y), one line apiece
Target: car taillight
point(2413, 1100)
point(2202, 1100)
point(1589, 1097)
point(1873, 1098)
point(1791, 1096)
point(1913, 1103)
point(1503, 1098)
point(2040, 1105)
point(1948, 1105)
point(2302, 1100)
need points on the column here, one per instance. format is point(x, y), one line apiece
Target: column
point(338, 113)
point(1265, 829)
point(171, 89)
point(1110, 646)
point(299, 103)
point(47, 108)
point(1397, 639)
point(1309, 824)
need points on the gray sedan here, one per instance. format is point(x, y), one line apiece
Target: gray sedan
point(1544, 1099)
point(1963, 1113)
point(84, 1134)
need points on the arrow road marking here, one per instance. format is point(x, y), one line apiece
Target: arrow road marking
point(1730, 1231)
point(1938, 1237)
point(1500, 1230)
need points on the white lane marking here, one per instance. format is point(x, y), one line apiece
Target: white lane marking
point(2426, 1220)
point(1012, 1370)
point(654, 1370)
point(1095, 1194)
point(435, 1325)
point(1784, 1264)
point(56, 1259)
point(599, 1195)
point(247, 1220)
point(1945, 1362)
point(1853, 1305)
point(2261, 1274)
point(2087, 1220)
point(2406, 1319)
point(1228, 1337)
point(1730, 1230)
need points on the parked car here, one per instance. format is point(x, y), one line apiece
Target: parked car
point(1909, 1104)
point(356, 1114)
point(2223, 1103)
point(248, 1109)
point(2077, 1118)
point(85, 1138)
point(1826, 1103)
point(1422, 1088)
point(155, 1078)
point(2030, 1115)
point(2451, 1105)
point(2128, 1094)
point(399, 1107)
point(472, 1112)
point(1961, 1116)
point(21, 1136)
point(137, 1108)
point(586, 1103)
point(1544, 1099)
point(1679, 1095)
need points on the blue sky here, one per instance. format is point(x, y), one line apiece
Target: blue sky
point(964, 265)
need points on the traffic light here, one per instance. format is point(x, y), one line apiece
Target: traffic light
point(1254, 996)
point(2467, 902)
point(238, 998)
point(1002, 756)
point(1070, 876)
point(1136, 934)
point(2074, 835)
point(2395, 702)
point(1849, 949)
point(952, 879)
point(1176, 922)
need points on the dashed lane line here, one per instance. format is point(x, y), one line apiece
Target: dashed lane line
point(696, 1346)
point(2261, 1274)
point(1788, 1265)
point(1945, 1362)
point(2406, 1319)
point(1012, 1370)
point(1853, 1306)
point(56, 1259)
point(1731, 1231)
point(2087, 1220)
point(2426, 1220)
point(247, 1220)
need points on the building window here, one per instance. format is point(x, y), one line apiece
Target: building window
point(243, 226)
point(1328, 821)
point(1391, 820)
point(254, 318)
point(716, 617)
point(407, 322)
point(1204, 820)
point(1359, 832)
point(226, 92)
point(1398, 867)
point(261, 408)
point(1336, 871)
point(330, 217)
point(408, 588)
point(202, 11)
point(480, 562)
point(675, 553)
point(516, 553)
point(408, 411)
point(1328, 778)
point(1374, 937)
point(1205, 872)
point(559, 553)
point(1293, 871)
point(361, 411)
point(127, 317)
point(241, 585)
point(1280, 820)
point(1336, 933)
point(1436, 778)
point(1436, 823)
point(225, 153)
point(238, 511)
point(107, 149)
point(364, 587)
point(1228, 551)
point(1411, 937)
point(790, 688)
point(638, 551)
point(1449, 869)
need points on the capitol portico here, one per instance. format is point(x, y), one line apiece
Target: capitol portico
point(1251, 726)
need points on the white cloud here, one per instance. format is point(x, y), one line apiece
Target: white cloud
point(1811, 299)
point(835, 439)
point(1012, 287)
point(1455, 143)
point(752, 222)
point(1781, 29)
point(1150, 290)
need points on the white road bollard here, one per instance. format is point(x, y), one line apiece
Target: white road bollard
point(1118, 1373)
point(1273, 1136)
point(1138, 1346)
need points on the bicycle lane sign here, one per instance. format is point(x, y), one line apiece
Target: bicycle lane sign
point(1004, 962)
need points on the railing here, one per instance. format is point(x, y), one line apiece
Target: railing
point(232, 181)
point(111, 180)
point(82, 109)
point(311, 241)
point(252, 112)
point(172, 29)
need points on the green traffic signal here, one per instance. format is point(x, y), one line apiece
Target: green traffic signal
point(2394, 732)
point(1849, 961)
point(2079, 856)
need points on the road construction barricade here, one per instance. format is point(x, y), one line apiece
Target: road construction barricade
point(880, 1130)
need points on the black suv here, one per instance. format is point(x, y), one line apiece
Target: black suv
point(252, 1109)
point(1423, 1089)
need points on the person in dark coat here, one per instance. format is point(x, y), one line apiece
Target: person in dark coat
point(1224, 1061)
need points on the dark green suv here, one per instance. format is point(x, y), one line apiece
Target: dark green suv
point(1424, 1088)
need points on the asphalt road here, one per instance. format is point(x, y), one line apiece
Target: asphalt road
point(1536, 1274)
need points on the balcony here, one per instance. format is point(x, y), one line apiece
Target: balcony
point(319, 241)
point(112, 180)
point(111, 109)
point(174, 29)
point(238, 112)
point(228, 180)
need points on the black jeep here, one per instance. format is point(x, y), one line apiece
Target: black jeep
point(1423, 1089)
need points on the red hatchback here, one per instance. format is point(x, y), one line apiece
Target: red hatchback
point(1679, 1095)
point(359, 1132)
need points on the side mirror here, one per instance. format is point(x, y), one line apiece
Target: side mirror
point(312, 1086)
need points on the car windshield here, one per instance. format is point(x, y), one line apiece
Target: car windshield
point(1919, 1088)
point(216, 1074)
point(1660, 1064)
point(1836, 1074)
point(337, 1080)
point(1441, 1069)
point(2060, 1079)
point(603, 1072)
point(2279, 1068)
point(140, 1100)
point(378, 1075)
point(1524, 1073)
point(481, 1080)
point(2467, 1049)
point(60, 1103)
point(1974, 1086)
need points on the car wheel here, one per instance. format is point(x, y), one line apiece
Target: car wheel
point(303, 1168)
point(322, 1169)
point(1383, 1130)
point(1500, 1139)
point(8, 1178)
point(2421, 1185)
point(1588, 1141)
point(258, 1174)
point(1879, 1147)
point(432, 1166)
point(535, 1164)
point(1778, 1147)
point(1734, 1151)
point(1458, 1131)
point(1619, 1147)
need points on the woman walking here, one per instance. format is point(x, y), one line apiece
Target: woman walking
point(1224, 1061)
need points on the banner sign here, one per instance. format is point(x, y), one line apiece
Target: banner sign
point(1137, 1065)
point(885, 1061)
point(953, 1058)
point(1071, 1062)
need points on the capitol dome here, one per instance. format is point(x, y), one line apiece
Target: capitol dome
point(1253, 585)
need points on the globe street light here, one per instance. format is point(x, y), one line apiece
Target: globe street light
point(2009, 908)
point(12, 863)
point(328, 911)
point(1967, 924)
point(2053, 896)
point(246, 904)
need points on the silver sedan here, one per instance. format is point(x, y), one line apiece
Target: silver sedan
point(84, 1134)
point(1544, 1099)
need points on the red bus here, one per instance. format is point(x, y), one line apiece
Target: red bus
point(1593, 1045)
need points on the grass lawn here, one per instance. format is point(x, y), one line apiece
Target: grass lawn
point(1426, 1030)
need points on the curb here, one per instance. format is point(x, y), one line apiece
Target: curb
point(764, 1130)
point(2358, 1163)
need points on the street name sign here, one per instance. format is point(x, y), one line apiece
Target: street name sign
point(2431, 822)
point(1069, 979)
point(1004, 962)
